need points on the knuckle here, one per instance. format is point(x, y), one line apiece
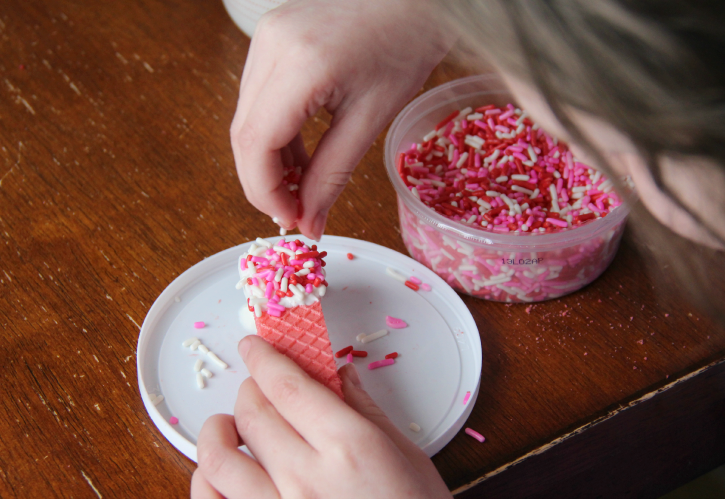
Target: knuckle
point(245, 137)
point(210, 460)
point(287, 387)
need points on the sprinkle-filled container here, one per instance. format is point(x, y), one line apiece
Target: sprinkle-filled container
point(507, 267)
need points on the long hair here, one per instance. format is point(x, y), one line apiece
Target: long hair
point(653, 69)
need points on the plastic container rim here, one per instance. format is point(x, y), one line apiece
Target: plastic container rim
point(410, 115)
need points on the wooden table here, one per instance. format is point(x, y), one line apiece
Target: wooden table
point(116, 175)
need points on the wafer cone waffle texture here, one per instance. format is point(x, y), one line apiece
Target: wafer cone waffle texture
point(301, 334)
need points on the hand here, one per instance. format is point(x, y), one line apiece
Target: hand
point(307, 442)
point(360, 59)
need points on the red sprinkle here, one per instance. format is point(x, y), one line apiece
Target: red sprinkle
point(344, 351)
point(412, 285)
point(359, 353)
point(393, 355)
point(350, 256)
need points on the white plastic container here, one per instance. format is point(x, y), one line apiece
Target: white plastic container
point(246, 13)
point(514, 267)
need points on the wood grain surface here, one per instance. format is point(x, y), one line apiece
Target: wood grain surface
point(116, 175)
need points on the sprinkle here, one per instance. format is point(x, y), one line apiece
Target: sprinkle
point(415, 280)
point(349, 357)
point(358, 353)
point(189, 342)
point(395, 323)
point(343, 352)
point(200, 381)
point(393, 355)
point(425, 287)
point(412, 285)
point(198, 364)
point(206, 372)
point(374, 336)
point(475, 435)
point(395, 274)
point(414, 427)
point(350, 256)
point(466, 397)
point(381, 363)
point(218, 361)
point(174, 420)
point(199, 325)
point(203, 349)
point(282, 231)
point(360, 337)
point(195, 345)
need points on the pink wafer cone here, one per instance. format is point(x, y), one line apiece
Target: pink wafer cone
point(301, 334)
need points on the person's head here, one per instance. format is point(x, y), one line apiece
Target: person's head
point(636, 87)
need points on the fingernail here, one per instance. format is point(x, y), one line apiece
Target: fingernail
point(318, 226)
point(244, 345)
point(352, 374)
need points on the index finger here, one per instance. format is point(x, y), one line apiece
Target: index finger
point(261, 130)
point(299, 399)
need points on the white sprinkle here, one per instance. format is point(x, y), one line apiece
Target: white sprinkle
point(282, 231)
point(219, 361)
point(240, 284)
point(207, 373)
point(159, 399)
point(414, 427)
point(502, 178)
point(152, 396)
point(195, 345)
point(524, 190)
point(517, 176)
point(374, 336)
point(535, 194)
point(203, 348)
point(257, 310)
point(283, 284)
point(429, 136)
point(554, 198)
point(414, 180)
point(200, 380)
point(322, 290)
point(275, 220)
point(263, 242)
point(395, 274)
point(493, 194)
point(198, 364)
point(360, 337)
point(189, 342)
point(525, 228)
point(462, 160)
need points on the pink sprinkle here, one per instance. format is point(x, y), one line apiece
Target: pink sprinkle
point(199, 325)
point(174, 420)
point(395, 323)
point(271, 311)
point(475, 435)
point(274, 306)
point(349, 358)
point(465, 399)
point(557, 222)
point(381, 363)
point(243, 264)
point(415, 280)
point(425, 287)
point(308, 288)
